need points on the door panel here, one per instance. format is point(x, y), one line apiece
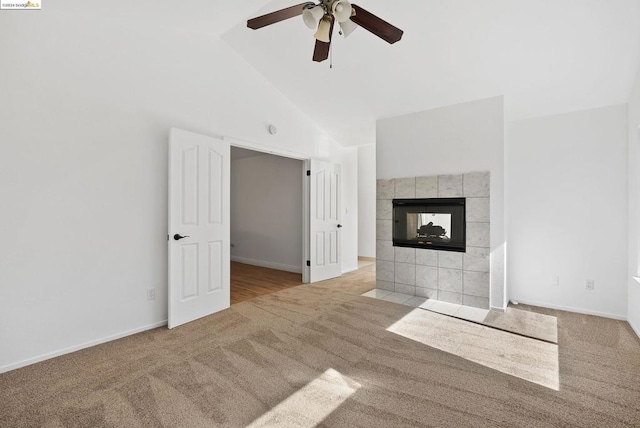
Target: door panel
point(216, 181)
point(199, 175)
point(320, 195)
point(189, 268)
point(189, 185)
point(216, 260)
point(334, 181)
point(325, 246)
point(320, 249)
point(333, 247)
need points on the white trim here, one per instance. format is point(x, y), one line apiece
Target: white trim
point(306, 225)
point(635, 328)
point(496, 308)
point(636, 278)
point(79, 347)
point(270, 265)
point(237, 142)
point(572, 309)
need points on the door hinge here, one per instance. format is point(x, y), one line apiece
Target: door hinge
point(167, 237)
point(308, 262)
point(308, 172)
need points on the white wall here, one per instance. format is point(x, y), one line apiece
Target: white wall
point(452, 140)
point(266, 212)
point(566, 192)
point(367, 200)
point(633, 159)
point(85, 107)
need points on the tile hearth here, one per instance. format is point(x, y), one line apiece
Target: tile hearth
point(513, 320)
point(459, 311)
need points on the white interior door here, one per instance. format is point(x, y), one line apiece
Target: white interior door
point(199, 229)
point(325, 228)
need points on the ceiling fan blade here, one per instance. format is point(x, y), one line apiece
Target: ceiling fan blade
point(321, 51)
point(277, 16)
point(375, 25)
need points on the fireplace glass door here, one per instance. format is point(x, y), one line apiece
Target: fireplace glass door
point(436, 223)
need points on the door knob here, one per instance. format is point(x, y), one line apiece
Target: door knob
point(178, 237)
point(339, 226)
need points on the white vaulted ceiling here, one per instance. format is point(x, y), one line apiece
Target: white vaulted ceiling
point(544, 56)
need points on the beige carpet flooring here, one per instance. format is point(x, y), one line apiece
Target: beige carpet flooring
point(525, 322)
point(323, 355)
point(529, 359)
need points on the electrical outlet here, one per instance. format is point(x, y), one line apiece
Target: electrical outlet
point(555, 281)
point(591, 284)
point(151, 294)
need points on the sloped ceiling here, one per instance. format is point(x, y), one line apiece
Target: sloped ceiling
point(208, 17)
point(545, 57)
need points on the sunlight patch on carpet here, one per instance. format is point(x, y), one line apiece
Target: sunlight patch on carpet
point(311, 404)
point(528, 359)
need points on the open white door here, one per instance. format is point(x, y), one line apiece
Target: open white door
point(199, 230)
point(324, 216)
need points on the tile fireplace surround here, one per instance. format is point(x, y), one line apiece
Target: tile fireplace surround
point(454, 277)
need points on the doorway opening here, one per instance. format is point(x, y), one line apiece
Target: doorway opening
point(267, 239)
point(201, 214)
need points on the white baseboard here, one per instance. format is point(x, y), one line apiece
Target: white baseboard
point(635, 328)
point(572, 309)
point(270, 265)
point(75, 348)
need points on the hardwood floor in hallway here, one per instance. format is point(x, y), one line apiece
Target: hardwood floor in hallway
point(249, 281)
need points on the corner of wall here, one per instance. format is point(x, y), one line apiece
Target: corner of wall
point(635, 327)
point(633, 206)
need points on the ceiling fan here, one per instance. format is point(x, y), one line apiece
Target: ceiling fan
point(322, 17)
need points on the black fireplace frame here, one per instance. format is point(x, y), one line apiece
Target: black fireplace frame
point(458, 221)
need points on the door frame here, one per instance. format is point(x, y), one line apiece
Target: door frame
point(306, 225)
point(306, 165)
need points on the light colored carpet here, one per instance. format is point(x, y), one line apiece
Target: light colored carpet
point(527, 323)
point(526, 358)
point(326, 349)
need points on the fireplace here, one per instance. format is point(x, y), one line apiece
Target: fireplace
point(436, 223)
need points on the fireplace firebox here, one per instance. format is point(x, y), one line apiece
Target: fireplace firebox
point(435, 223)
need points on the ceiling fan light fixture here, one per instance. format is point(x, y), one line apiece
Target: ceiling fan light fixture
point(324, 29)
point(347, 27)
point(312, 16)
point(341, 9)
point(322, 16)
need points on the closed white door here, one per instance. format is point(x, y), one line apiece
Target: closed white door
point(199, 229)
point(325, 228)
